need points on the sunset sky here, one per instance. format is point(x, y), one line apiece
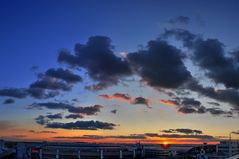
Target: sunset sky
point(119, 71)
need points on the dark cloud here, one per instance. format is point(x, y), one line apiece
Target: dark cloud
point(50, 84)
point(160, 65)
point(113, 111)
point(230, 96)
point(187, 37)
point(65, 75)
point(217, 111)
point(54, 116)
point(191, 106)
point(179, 20)
point(42, 120)
point(42, 132)
point(82, 125)
point(204, 137)
point(117, 96)
point(141, 100)
point(236, 132)
point(50, 105)
point(40, 93)
point(97, 57)
point(214, 103)
point(210, 55)
point(89, 110)
point(9, 101)
point(183, 131)
point(74, 116)
point(14, 92)
point(127, 98)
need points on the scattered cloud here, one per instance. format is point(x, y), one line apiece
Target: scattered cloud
point(82, 125)
point(117, 96)
point(51, 84)
point(98, 58)
point(74, 116)
point(88, 110)
point(66, 75)
point(14, 92)
point(159, 63)
point(113, 111)
point(126, 98)
point(42, 120)
point(9, 101)
point(42, 132)
point(168, 102)
point(183, 131)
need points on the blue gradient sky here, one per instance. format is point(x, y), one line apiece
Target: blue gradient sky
point(32, 33)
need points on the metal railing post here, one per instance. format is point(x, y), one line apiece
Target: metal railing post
point(40, 154)
point(101, 154)
point(57, 153)
point(78, 154)
point(121, 154)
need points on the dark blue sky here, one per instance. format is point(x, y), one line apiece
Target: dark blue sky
point(140, 87)
point(33, 31)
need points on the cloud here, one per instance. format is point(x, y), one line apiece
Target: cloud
point(14, 92)
point(82, 125)
point(117, 96)
point(179, 20)
point(126, 98)
point(21, 93)
point(183, 131)
point(190, 105)
point(42, 120)
point(142, 100)
point(113, 111)
point(41, 93)
point(42, 132)
point(160, 65)
point(98, 58)
point(236, 132)
point(9, 101)
point(207, 137)
point(54, 116)
point(51, 84)
point(74, 116)
point(89, 110)
point(230, 96)
point(168, 102)
point(210, 55)
point(62, 74)
point(214, 103)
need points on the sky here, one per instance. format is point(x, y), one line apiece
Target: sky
point(119, 71)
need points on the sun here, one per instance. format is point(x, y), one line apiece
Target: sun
point(165, 143)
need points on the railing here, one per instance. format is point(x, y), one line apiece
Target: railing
point(234, 157)
point(73, 153)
